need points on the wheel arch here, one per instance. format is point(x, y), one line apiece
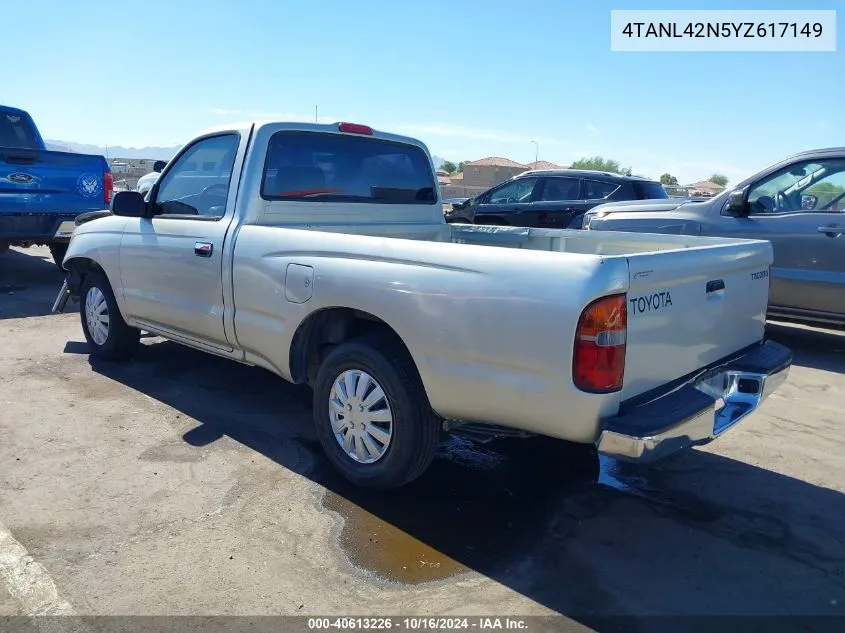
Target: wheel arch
point(79, 266)
point(325, 329)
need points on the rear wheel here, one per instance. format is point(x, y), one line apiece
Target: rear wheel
point(58, 250)
point(371, 413)
point(108, 335)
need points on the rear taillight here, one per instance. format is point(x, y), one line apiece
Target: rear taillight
point(598, 363)
point(108, 186)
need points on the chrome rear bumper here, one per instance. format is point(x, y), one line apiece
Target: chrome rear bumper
point(697, 411)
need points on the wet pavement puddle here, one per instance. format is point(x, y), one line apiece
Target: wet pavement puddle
point(477, 507)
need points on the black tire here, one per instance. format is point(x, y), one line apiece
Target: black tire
point(415, 427)
point(58, 250)
point(121, 341)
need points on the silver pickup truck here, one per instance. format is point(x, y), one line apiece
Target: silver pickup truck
point(320, 253)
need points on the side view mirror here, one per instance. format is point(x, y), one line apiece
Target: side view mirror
point(809, 201)
point(737, 202)
point(159, 166)
point(129, 204)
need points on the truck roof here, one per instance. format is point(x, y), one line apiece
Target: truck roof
point(329, 128)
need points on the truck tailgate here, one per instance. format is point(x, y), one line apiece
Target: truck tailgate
point(690, 308)
point(39, 181)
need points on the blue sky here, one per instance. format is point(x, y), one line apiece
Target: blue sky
point(471, 78)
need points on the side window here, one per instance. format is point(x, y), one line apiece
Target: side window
point(826, 195)
point(514, 192)
point(560, 189)
point(198, 182)
point(598, 189)
point(626, 191)
point(817, 186)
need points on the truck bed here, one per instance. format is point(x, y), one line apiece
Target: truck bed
point(692, 301)
point(671, 313)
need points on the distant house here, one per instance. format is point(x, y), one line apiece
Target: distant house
point(443, 177)
point(490, 171)
point(480, 175)
point(705, 188)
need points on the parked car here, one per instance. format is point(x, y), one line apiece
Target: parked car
point(798, 204)
point(553, 198)
point(320, 253)
point(146, 182)
point(42, 191)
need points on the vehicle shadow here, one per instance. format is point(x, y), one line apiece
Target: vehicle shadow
point(29, 283)
point(615, 547)
point(813, 348)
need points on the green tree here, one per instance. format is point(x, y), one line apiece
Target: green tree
point(461, 167)
point(719, 179)
point(668, 179)
point(597, 163)
point(449, 167)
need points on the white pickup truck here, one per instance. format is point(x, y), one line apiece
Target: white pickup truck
point(320, 253)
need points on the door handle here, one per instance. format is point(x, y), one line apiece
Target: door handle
point(831, 231)
point(715, 285)
point(203, 249)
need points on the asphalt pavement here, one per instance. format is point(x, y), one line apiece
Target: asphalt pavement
point(184, 484)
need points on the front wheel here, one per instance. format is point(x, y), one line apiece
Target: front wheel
point(108, 335)
point(372, 415)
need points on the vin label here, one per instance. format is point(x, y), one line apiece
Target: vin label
point(739, 30)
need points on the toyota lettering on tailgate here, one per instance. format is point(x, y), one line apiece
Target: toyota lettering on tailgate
point(652, 302)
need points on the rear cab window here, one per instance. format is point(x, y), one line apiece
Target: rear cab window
point(17, 131)
point(326, 167)
point(647, 190)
